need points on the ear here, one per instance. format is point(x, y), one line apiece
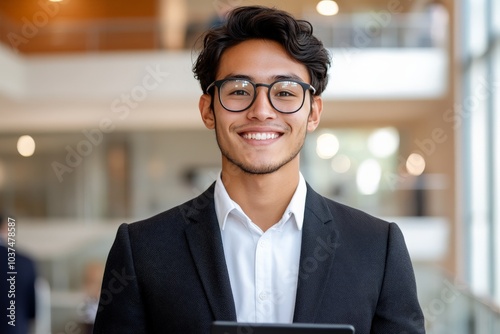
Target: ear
point(315, 114)
point(207, 114)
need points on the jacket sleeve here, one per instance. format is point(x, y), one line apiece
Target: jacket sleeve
point(398, 309)
point(121, 309)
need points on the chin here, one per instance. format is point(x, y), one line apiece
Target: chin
point(249, 166)
point(259, 170)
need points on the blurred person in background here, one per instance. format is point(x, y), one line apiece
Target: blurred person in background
point(259, 245)
point(18, 288)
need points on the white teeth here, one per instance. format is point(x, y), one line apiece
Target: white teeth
point(260, 136)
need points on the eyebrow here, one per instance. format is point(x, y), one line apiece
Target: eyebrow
point(272, 78)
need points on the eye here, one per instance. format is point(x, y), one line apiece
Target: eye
point(238, 88)
point(286, 89)
point(240, 92)
point(284, 93)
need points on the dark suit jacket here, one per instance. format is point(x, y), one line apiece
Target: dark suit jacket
point(167, 274)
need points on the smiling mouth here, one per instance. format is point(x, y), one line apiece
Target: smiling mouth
point(260, 135)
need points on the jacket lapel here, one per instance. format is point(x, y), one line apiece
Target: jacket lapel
point(319, 244)
point(205, 242)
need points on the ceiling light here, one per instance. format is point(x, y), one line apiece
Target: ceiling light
point(327, 7)
point(415, 164)
point(26, 146)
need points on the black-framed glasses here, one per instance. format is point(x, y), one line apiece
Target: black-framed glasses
point(286, 95)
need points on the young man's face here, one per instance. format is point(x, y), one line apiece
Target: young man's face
point(240, 134)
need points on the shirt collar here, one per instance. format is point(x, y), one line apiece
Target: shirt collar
point(224, 204)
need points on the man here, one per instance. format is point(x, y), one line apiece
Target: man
point(18, 290)
point(259, 245)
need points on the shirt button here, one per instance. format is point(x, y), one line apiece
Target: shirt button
point(262, 296)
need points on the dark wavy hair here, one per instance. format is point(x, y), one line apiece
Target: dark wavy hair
point(258, 22)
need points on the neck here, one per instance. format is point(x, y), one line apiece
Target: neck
point(263, 197)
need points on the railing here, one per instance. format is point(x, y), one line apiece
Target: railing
point(341, 31)
point(384, 30)
point(450, 308)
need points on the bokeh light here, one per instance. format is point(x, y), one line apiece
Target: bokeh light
point(26, 146)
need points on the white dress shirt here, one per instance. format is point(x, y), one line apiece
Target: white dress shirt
point(263, 266)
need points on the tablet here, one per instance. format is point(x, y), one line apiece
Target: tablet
point(229, 327)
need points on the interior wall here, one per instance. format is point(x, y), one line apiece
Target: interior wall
point(20, 10)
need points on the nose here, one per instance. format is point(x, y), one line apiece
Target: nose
point(261, 108)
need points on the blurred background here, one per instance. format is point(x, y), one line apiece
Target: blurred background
point(99, 125)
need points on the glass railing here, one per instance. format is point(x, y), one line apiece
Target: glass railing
point(382, 30)
point(450, 308)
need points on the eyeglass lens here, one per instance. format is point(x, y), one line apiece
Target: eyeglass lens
point(286, 96)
